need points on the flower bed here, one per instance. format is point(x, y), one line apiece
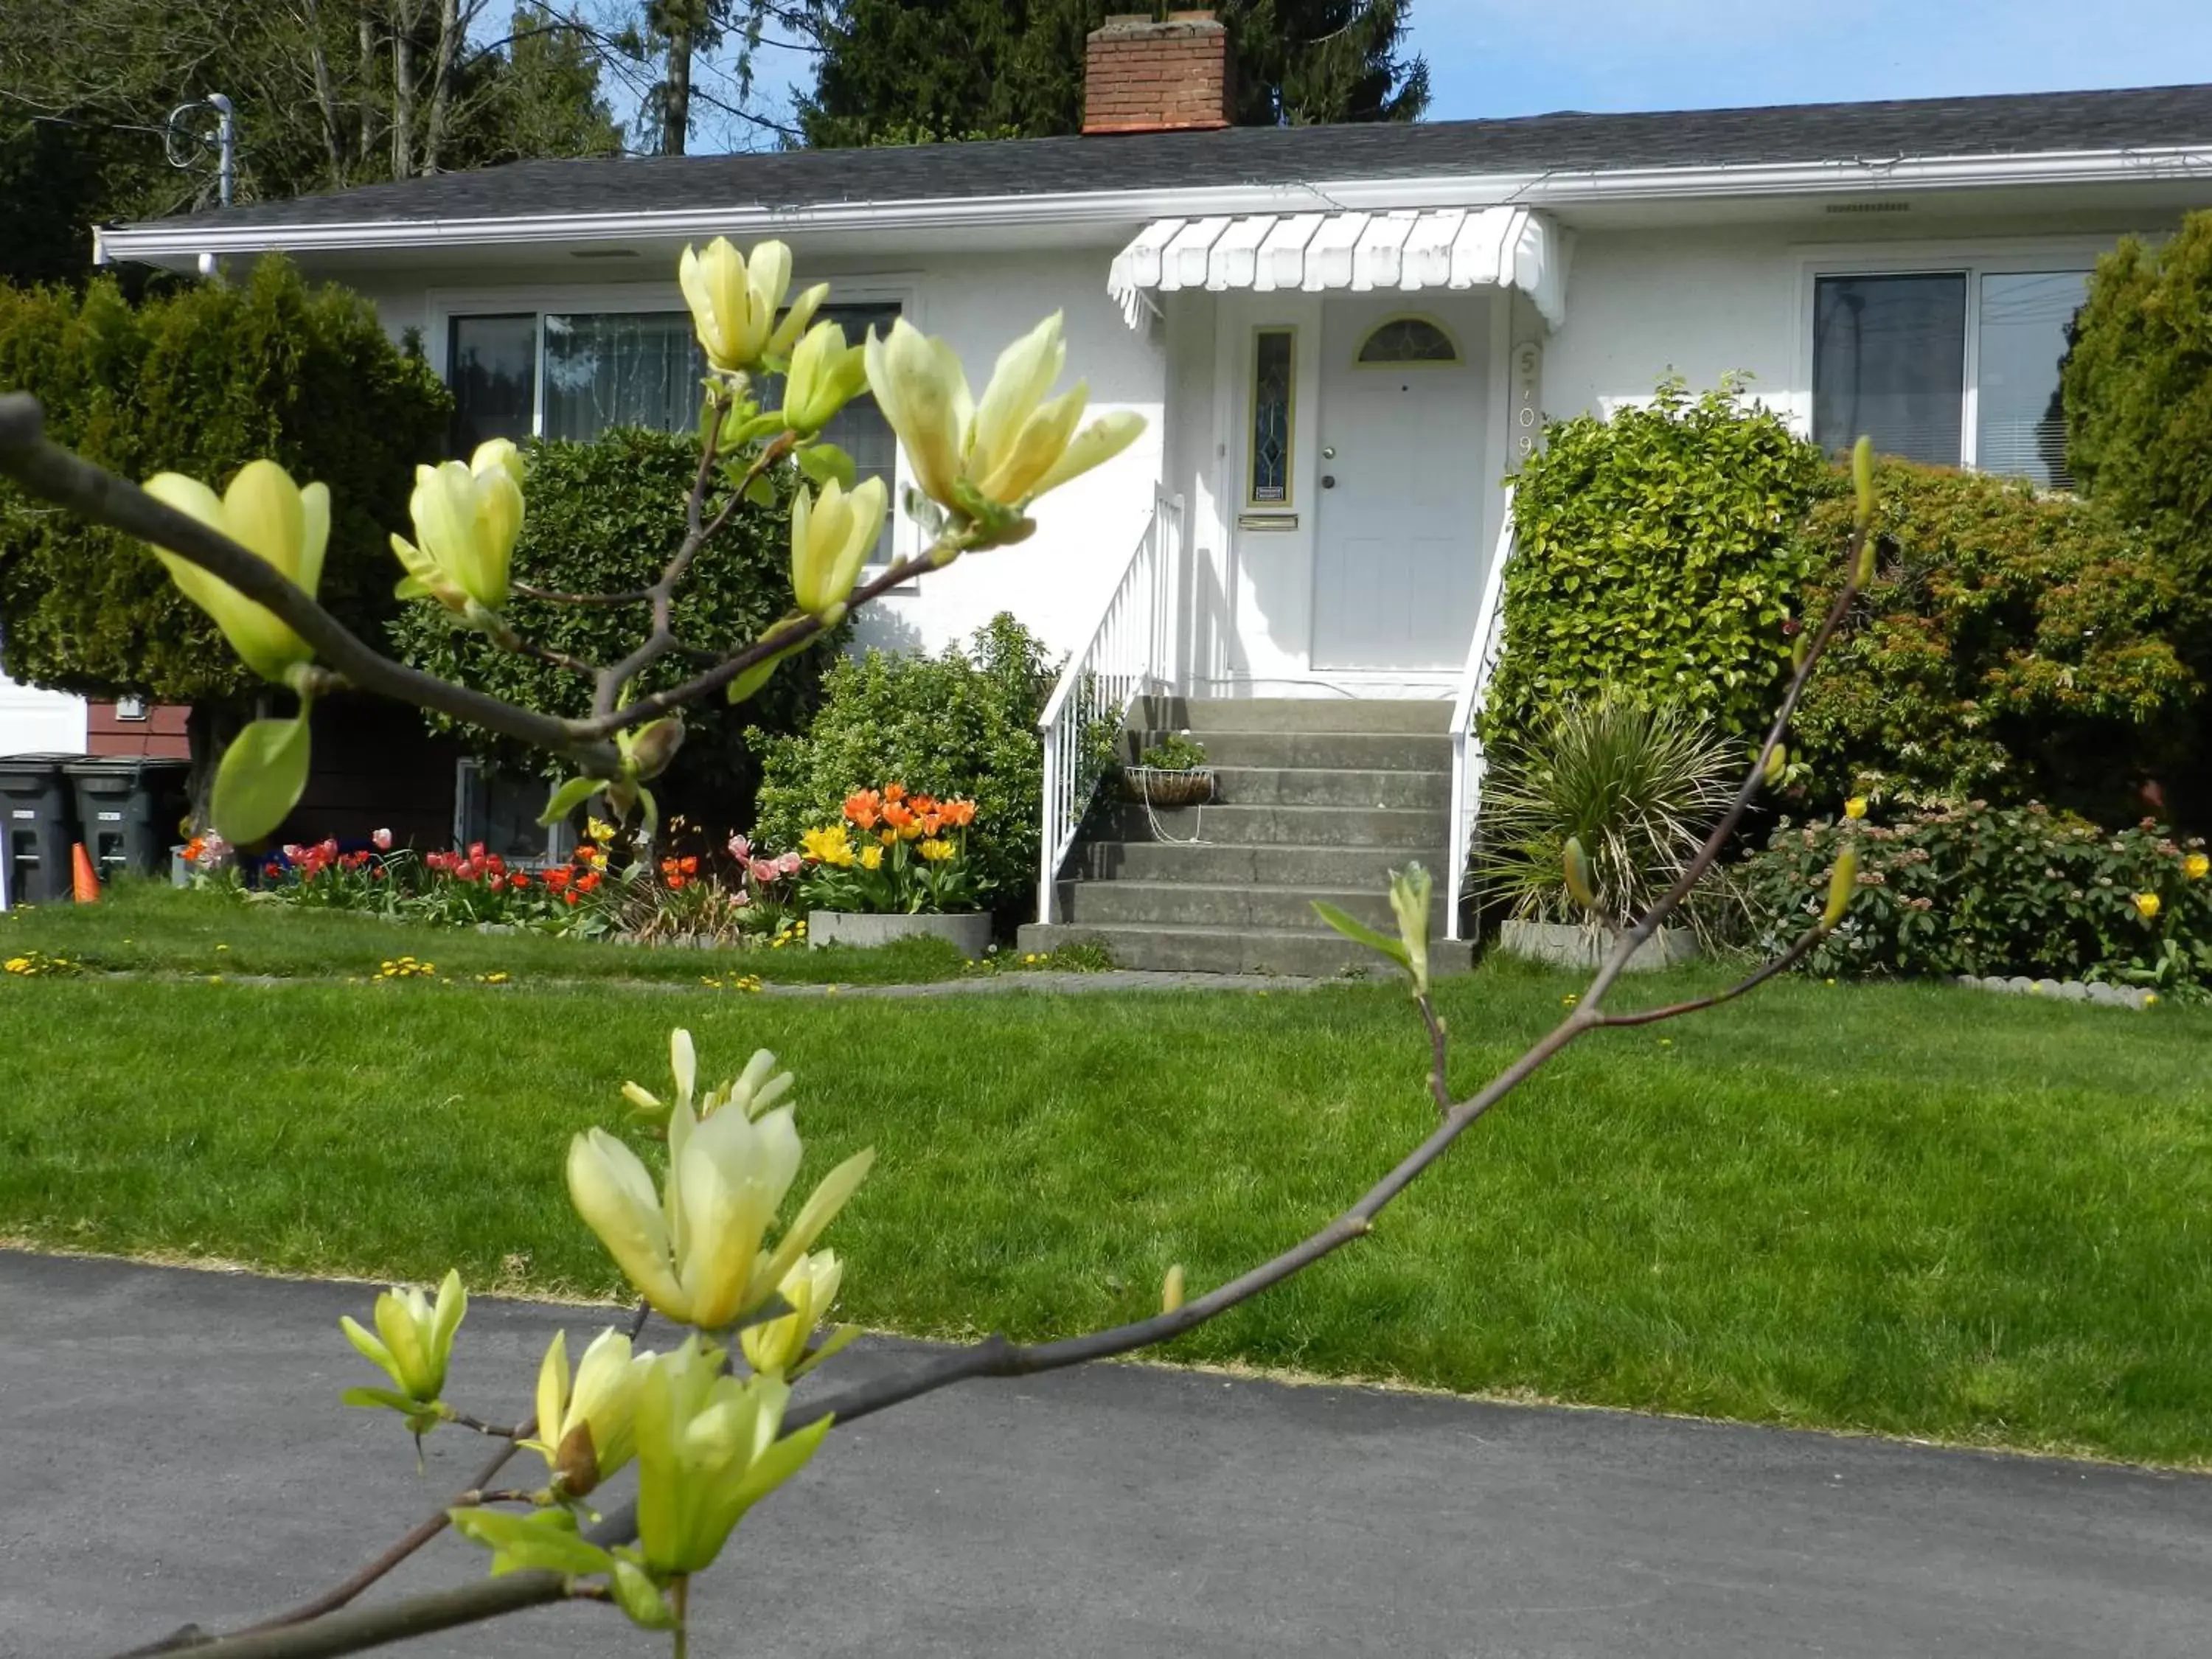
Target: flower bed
point(894, 853)
point(2008, 891)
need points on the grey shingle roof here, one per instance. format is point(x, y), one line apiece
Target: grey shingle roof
point(1569, 143)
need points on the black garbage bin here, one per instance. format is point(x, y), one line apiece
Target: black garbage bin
point(37, 824)
point(128, 806)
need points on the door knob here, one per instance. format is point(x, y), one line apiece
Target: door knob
point(1329, 454)
point(1328, 481)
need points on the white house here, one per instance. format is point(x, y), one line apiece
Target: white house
point(1343, 336)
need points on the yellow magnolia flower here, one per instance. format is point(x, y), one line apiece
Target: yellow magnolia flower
point(278, 521)
point(752, 1091)
point(734, 302)
point(1855, 807)
point(699, 1252)
point(412, 1346)
point(871, 857)
point(779, 1346)
point(831, 537)
point(709, 1448)
point(585, 1432)
point(989, 461)
point(2196, 866)
point(937, 851)
point(830, 845)
point(466, 520)
point(2148, 906)
point(826, 374)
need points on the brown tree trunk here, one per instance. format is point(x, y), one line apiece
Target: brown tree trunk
point(367, 145)
point(676, 92)
point(441, 83)
point(403, 95)
point(325, 101)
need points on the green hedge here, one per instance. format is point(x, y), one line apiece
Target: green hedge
point(200, 382)
point(1659, 557)
point(603, 517)
point(2004, 890)
point(2012, 646)
point(959, 724)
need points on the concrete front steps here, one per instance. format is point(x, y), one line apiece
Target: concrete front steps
point(1315, 799)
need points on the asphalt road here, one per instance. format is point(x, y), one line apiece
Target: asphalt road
point(171, 1448)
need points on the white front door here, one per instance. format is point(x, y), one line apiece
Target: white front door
point(1398, 545)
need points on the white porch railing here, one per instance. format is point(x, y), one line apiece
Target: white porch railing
point(1466, 750)
point(1130, 654)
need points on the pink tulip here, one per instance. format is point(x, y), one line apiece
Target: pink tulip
point(741, 898)
point(789, 864)
point(381, 840)
point(293, 851)
point(764, 870)
point(740, 849)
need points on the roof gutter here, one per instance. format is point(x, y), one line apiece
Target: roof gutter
point(162, 242)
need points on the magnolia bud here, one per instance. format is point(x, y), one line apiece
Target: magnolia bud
point(1862, 481)
point(1171, 1289)
point(1841, 880)
point(656, 745)
point(1579, 886)
point(1777, 762)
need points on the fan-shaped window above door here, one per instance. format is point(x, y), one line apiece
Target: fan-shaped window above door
point(1408, 340)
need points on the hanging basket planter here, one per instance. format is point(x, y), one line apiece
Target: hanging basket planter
point(1158, 786)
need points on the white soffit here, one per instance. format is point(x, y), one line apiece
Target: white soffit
point(1402, 252)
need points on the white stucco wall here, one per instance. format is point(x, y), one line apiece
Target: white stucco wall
point(1707, 302)
point(32, 721)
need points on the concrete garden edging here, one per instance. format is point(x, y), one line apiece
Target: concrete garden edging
point(1564, 945)
point(969, 934)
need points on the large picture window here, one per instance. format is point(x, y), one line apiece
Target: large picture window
point(574, 374)
point(1952, 368)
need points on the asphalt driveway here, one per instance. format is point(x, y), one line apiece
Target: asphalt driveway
point(171, 1448)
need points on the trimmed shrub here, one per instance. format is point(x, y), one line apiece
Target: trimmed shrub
point(603, 517)
point(960, 724)
point(201, 382)
point(1993, 891)
point(1659, 558)
point(2012, 646)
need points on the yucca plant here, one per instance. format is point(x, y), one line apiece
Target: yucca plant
point(1637, 784)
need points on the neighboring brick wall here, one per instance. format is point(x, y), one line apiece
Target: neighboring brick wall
point(1143, 77)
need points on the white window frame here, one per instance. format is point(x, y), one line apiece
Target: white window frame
point(442, 304)
point(1973, 261)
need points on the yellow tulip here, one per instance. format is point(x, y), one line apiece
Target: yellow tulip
point(831, 537)
point(826, 374)
point(734, 300)
point(779, 1346)
point(413, 1346)
point(2148, 906)
point(280, 523)
point(585, 1432)
point(2196, 866)
point(709, 1448)
point(467, 518)
point(871, 857)
point(698, 1250)
point(1855, 807)
point(989, 461)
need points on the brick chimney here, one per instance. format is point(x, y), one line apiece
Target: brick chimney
point(1140, 75)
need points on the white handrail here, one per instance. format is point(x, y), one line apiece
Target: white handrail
point(1129, 654)
point(1466, 750)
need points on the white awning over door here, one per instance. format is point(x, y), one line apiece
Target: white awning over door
point(1358, 252)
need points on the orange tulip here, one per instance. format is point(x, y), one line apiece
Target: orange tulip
point(957, 813)
point(894, 792)
point(897, 813)
point(864, 807)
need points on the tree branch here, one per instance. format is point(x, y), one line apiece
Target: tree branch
point(1439, 1051)
point(52, 473)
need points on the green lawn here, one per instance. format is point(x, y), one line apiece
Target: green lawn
point(1911, 1209)
point(146, 927)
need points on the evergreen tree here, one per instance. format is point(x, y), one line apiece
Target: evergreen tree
point(892, 71)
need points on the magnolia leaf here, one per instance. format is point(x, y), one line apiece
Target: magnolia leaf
point(379, 1399)
point(824, 462)
point(544, 1540)
point(761, 492)
point(1360, 934)
point(637, 1596)
point(749, 684)
point(262, 775)
point(568, 797)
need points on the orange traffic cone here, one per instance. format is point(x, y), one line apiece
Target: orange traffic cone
point(82, 881)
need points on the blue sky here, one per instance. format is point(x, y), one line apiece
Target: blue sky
point(1525, 57)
